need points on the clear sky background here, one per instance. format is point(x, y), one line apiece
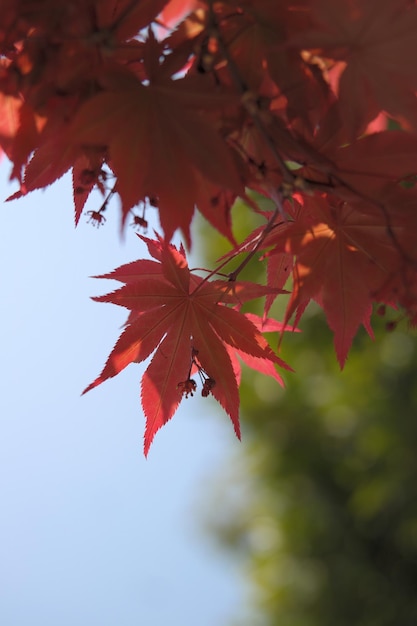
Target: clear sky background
point(91, 533)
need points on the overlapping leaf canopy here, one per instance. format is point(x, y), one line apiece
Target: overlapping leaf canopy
point(187, 106)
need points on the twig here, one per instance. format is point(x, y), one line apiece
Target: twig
point(249, 99)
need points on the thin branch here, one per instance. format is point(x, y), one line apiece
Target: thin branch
point(249, 99)
point(269, 226)
point(233, 275)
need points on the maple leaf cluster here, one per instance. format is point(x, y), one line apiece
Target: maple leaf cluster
point(182, 106)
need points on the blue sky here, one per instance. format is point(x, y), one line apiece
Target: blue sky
point(90, 531)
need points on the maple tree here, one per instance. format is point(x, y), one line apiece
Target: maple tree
point(182, 106)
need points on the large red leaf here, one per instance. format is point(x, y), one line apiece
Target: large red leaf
point(344, 256)
point(157, 148)
point(376, 46)
point(189, 325)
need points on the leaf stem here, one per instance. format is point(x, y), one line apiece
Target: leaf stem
point(233, 275)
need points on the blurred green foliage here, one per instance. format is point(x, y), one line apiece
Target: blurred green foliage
point(321, 505)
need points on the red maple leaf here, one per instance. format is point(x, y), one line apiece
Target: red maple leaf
point(375, 46)
point(193, 327)
point(345, 258)
point(158, 148)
